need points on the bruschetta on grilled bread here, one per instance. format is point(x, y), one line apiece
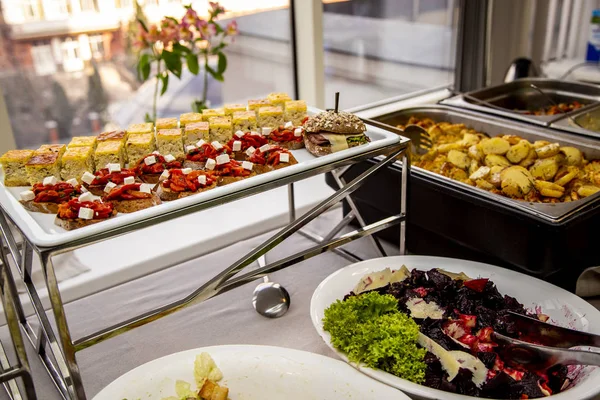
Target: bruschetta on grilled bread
point(132, 197)
point(184, 182)
point(77, 214)
point(46, 198)
point(150, 168)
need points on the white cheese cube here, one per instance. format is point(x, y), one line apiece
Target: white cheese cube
point(150, 160)
point(264, 148)
point(86, 196)
point(86, 213)
point(239, 134)
point(223, 159)
point(189, 148)
point(129, 180)
point(288, 125)
point(165, 175)
point(109, 186)
point(88, 177)
point(113, 167)
point(254, 133)
point(146, 188)
point(210, 164)
point(284, 157)
point(50, 180)
point(73, 182)
point(169, 158)
point(250, 150)
point(27, 195)
point(298, 132)
point(200, 143)
point(247, 165)
point(217, 145)
point(156, 152)
point(237, 145)
point(186, 171)
point(202, 179)
point(266, 131)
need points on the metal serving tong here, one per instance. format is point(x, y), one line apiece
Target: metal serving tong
point(555, 345)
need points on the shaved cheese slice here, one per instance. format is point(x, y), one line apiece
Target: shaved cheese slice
point(461, 276)
point(338, 142)
point(400, 275)
point(419, 308)
point(448, 361)
point(373, 280)
point(473, 364)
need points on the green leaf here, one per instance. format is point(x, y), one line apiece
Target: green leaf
point(148, 118)
point(172, 62)
point(192, 63)
point(215, 74)
point(215, 50)
point(164, 77)
point(143, 66)
point(222, 64)
point(179, 48)
point(143, 24)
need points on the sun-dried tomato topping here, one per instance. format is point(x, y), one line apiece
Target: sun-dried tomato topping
point(180, 182)
point(269, 157)
point(249, 140)
point(158, 167)
point(206, 151)
point(232, 168)
point(70, 209)
point(103, 176)
point(59, 193)
point(477, 285)
point(282, 134)
point(127, 192)
point(304, 120)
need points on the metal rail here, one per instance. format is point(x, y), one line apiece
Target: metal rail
point(57, 349)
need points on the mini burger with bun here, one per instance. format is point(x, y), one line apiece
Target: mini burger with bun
point(332, 131)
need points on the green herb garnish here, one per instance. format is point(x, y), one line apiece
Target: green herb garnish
point(370, 330)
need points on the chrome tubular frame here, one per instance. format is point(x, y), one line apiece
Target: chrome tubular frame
point(56, 347)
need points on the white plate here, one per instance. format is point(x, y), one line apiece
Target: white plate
point(564, 309)
point(40, 228)
point(253, 373)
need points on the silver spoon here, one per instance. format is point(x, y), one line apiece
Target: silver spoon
point(270, 299)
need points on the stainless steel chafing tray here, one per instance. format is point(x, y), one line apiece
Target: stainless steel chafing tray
point(496, 126)
point(509, 98)
point(588, 119)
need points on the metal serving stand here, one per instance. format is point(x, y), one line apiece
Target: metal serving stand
point(14, 315)
point(57, 349)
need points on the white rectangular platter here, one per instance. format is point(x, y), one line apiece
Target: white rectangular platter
point(42, 232)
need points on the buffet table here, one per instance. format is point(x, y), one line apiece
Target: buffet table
point(228, 319)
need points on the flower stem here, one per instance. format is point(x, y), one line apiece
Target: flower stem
point(158, 72)
point(205, 88)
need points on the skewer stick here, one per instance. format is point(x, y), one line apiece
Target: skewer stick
point(337, 102)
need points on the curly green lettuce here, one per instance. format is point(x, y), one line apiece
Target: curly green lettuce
point(370, 330)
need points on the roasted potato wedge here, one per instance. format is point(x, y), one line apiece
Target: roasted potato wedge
point(459, 159)
point(480, 173)
point(512, 139)
point(549, 189)
point(544, 168)
point(516, 181)
point(571, 173)
point(445, 148)
point(540, 143)
point(483, 184)
point(573, 155)
point(548, 150)
point(518, 152)
point(492, 160)
point(495, 145)
point(476, 153)
point(469, 139)
point(587, 190)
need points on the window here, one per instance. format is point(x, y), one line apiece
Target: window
point(123, 3)
point(375, 49)
point(89, 5)
point(97, 46)
point(43, 61)
point(31, 9)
